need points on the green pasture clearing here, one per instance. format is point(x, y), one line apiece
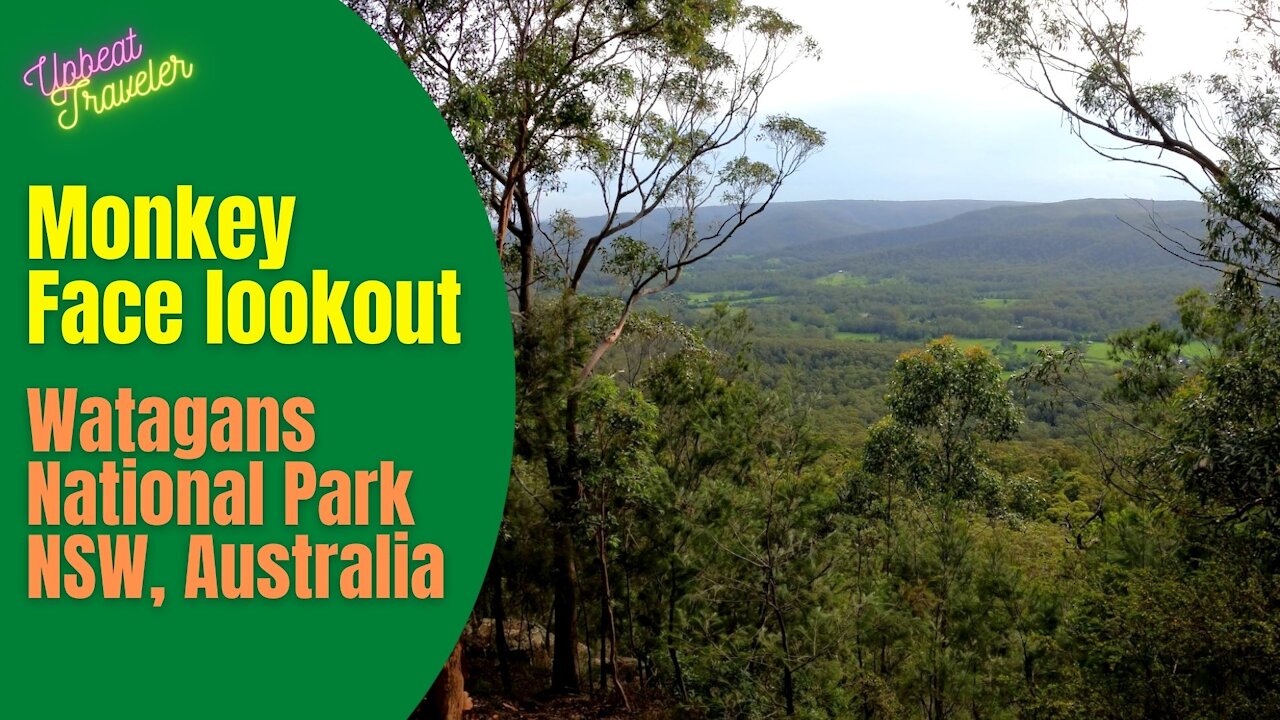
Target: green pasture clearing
point(1098, 352)
point(1094, 353)
point(753, 300)
point(991, 343)
point(1196, 350)
point(842, 279)
point(699, 298)
point(732, 298)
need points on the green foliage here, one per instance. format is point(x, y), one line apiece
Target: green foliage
point(1152, 363)
point(759, 569)
point(1157, 637)
point(758, 518)
point(1215, 429)
point(1224, 435)
point(943, 402)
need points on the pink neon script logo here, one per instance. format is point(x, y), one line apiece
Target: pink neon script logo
point(50, 75)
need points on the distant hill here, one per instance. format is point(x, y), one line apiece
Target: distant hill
point(1077, 236)
point(786, 225)
point(908, 271)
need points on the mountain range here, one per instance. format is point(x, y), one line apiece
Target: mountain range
point(976, 239)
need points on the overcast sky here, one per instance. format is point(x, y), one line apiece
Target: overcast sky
point(912, 113)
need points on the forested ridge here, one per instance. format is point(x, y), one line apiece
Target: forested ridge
point(954, 459)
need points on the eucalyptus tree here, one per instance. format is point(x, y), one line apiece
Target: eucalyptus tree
point(656, 105)
point(1201, 438)
point(944, 402)
point(1216, 131)
point(947, 405)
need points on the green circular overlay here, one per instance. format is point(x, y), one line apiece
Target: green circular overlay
point(261, 102)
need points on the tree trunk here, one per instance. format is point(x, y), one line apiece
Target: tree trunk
point(789, 690)
point(676, 670)
point(584, 623)
point(788, 678)
point(604, 648)
point(500, 621)
point(524, 291)
point(447, 699)
point(609, 624)
point(564, 659)
point(566, 492)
